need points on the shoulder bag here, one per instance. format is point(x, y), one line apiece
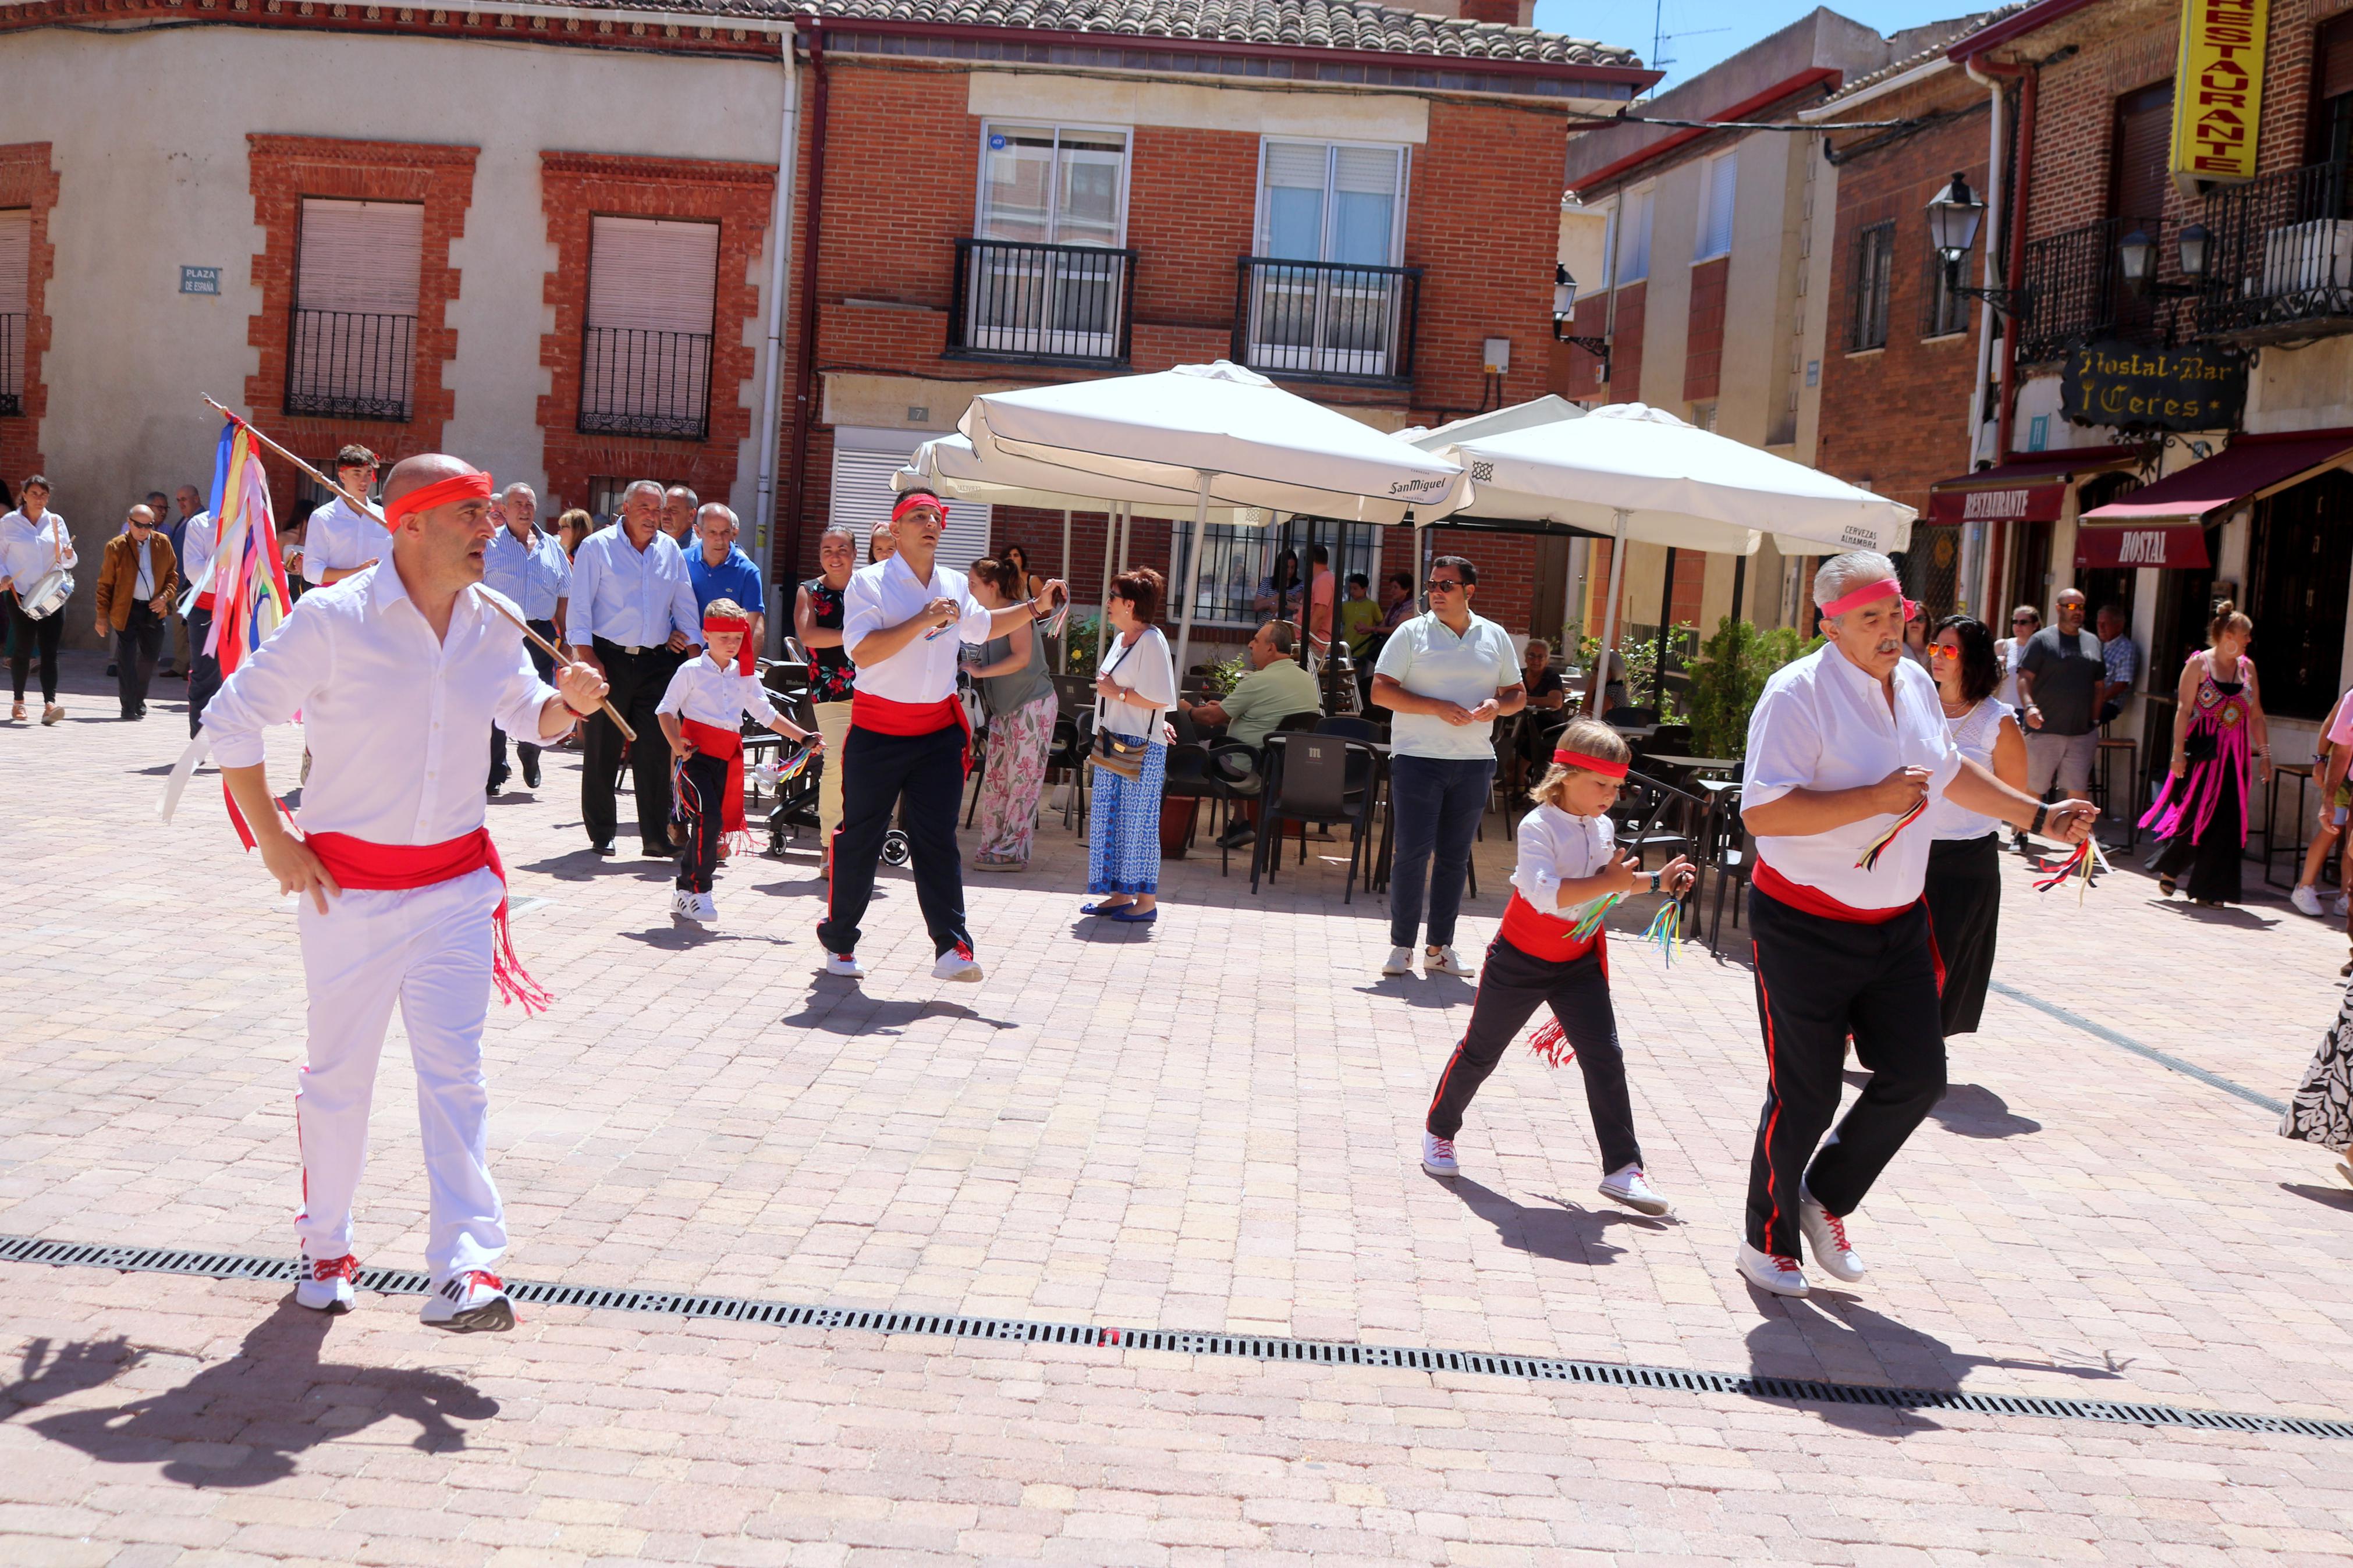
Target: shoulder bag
point(1117, 753)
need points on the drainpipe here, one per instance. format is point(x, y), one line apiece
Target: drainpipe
point(805, 368)
point(1982, 72)
point(780, 245)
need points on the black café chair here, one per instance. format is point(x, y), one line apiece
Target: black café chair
point(1310, 784)
point(1734, 860)
point(1074, 737)
point(1655, 814)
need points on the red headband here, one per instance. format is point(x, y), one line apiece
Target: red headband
point(1869, 593)
point(1591, 764)
point(734, 624)
point(913, 499)
point(441, 492)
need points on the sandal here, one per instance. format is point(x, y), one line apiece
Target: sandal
point(16, 715)
point(51, 714)
point(2166, 885)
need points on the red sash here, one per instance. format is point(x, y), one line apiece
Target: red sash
point(713, 742)
point(1814, 902)
point(884, 717)
point(1549, 937)
point(356, 863)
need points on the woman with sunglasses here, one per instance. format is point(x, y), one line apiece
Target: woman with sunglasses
point(2024, 622)
point(1963, 883)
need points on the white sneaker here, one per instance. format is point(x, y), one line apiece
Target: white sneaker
point(469, 1302)
point(1628, 1187)
point(1400, 963)
point(705, 910)
point(1826, 1240)
point(1437, 1153)
point(2306, 898)
point(2341, 907)
point(845, 965)
point(1444, 962)
point(957, 963)
point(681, 904)
point(326, 1283)
point(1781, 1276)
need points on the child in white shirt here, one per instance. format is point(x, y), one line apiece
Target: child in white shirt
point(701, 713)
point(1567, 862)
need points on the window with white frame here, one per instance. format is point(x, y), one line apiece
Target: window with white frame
point(15, 304)
point(645, 363)
point(1044, 275)
point(1718, 188)
point(352, 347)
point(1326, 293)
point(1634, 236)
point(1236, 580)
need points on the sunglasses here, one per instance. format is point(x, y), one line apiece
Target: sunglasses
point(1443, 584)
point(2024, 620)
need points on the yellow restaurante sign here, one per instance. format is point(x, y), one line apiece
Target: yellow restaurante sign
point(2218, 90)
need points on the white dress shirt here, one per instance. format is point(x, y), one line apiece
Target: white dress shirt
point(1148, 675)
point(202, 539)
point(1823, 723)
point(341, 539)
point(1558, 847)
point(1428, 660)
point(28, 549)
point(144, 588)
point(715, 694)
point(880, 597)
point(396, 722)
point(630, 596)
point(535, 575)
point(1974, 732)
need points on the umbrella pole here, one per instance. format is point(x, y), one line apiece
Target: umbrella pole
point(1062, 643)
point(1103, 616)
point(1192, 576)
point(1598, 681)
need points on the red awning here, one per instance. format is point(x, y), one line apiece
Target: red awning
point(2249, 468)
point(2178, 545)
point(2030, 488)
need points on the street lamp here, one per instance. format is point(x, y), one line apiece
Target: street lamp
point(1564, 316)
point(1954, 214)
point(2136, 259)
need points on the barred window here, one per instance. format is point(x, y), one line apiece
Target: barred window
point(1874, 254)
point(645, 367)
point(351, 349)
point(1944, 309)
point(16, 267)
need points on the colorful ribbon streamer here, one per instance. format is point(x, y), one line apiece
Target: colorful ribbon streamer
point(1595, 912)
point(1872, 851)
point(1666, 929)
point(2081, 864)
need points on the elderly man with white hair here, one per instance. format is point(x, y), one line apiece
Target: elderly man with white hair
point(530, 567)
point(632, 616)
point(719, 571)
point(1846, 749)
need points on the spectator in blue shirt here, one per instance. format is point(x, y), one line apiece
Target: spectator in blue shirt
point(530, 568)
point(719, 571)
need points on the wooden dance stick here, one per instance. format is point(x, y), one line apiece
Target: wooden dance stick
point(361, 503)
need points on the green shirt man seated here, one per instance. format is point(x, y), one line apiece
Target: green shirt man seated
point(1276, 688)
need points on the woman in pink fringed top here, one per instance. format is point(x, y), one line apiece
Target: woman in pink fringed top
point(2217, 731)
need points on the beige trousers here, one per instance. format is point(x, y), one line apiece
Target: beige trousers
point(833, 723)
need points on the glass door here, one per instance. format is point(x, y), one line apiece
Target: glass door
point(1326, 298)
point(1049, 195)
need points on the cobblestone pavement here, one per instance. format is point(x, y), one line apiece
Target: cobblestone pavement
point(1204, 1125)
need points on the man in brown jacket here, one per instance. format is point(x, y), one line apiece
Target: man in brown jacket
point(135, 584)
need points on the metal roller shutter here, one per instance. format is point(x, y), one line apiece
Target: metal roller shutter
point(862, 497)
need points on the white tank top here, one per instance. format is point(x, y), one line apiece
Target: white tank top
point(1973, 734)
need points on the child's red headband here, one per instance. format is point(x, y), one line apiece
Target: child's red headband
point(1591, 764)
point(441, 492)
point(744, 654)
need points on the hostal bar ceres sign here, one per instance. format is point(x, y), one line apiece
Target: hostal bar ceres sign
point(2218, 90)
point(2136, 388)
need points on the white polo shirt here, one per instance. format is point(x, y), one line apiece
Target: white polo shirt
point(1823, 723)
point(1558, 847)
point(717, 695)
point(880, 597)
point(1428, 661)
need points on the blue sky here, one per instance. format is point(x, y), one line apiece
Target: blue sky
point(1733, 24)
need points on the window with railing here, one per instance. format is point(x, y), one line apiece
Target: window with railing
point(645, 362)
point(2280, 254)
point(1327, 320)
point(12, 363)
point(15, 282)
point(1873, 275)
point(351, 349)
point(1240, 566)
point(2075, 289)
point(1062, 302)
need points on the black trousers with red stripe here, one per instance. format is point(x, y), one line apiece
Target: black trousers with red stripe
point(1511, 986)
point(879, 771)
point(702, 804)
point(1818, 981)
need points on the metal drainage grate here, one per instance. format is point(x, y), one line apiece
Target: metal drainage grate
point(1248, 1347)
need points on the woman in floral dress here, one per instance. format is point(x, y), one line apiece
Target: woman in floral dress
point(2322, 1111)
point(1022, 704)
point(2218, 732)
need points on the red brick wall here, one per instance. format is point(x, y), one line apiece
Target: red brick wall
point(26, 180)
point(284, 170)
point(575, 186)
point(1626, 345)
point(1703, 348)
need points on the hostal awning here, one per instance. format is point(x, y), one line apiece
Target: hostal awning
point(2164, 524)
point(2030, 488)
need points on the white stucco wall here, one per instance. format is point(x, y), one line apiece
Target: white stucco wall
point(149, 142)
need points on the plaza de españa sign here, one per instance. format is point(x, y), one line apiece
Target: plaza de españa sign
point(2154, 389)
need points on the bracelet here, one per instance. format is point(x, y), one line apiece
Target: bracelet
point(1654, 881)
point(2041, 812)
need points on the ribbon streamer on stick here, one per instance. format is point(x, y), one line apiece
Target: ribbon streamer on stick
point(2079, 865)
point(1869, 860)
point(1666, 929)
point(361, 504)
point(1595, 913)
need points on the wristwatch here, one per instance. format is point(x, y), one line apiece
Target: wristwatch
point(1654, 881)
point(2041, 812)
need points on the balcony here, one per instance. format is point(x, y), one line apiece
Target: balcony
point(1326, 321)
point(2076, 292)
point(2281, 258)
point(634, 380)
point(1043, 304)
point(12, 363)
point(348, 365)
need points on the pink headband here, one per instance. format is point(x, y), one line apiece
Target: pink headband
point(1886, 588)
point(913, 499)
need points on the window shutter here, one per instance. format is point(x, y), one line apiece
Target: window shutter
point(15, 261)
point(1294, 165)
point(862, 497)
point(1370, 170)
point(1722, 181)
point(360, 256)
point(2335, 52)
point(2144, 142)
point(652, 274)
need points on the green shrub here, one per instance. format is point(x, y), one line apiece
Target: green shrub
point(1221, 676)
point(1729, 675)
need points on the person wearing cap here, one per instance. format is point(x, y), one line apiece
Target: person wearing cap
point(903, 620)
point(340, 538)
point(1847, 747)
point(398, 672)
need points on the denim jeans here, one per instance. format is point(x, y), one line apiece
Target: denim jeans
point(1438, 803)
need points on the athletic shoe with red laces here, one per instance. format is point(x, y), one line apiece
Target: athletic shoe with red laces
point(470, 1301)
point(1826, 1240)
point(957, 964)
point(326, 1283)
point(845, 965)
point(1770, 1271)
point(1438, 1155)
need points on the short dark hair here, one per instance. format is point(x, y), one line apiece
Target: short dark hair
point(1401, 580)
point(1358, 580)
point(1980, 673)
point(1142, 588)
point(1317, 553)
point(29, 480)
point(355, 456)
point(2115, 610)
point(1468, 572)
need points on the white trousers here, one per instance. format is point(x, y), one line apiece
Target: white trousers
point(427, 949)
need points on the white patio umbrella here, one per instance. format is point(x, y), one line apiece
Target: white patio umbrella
point(1638, 474)
point(1227, 435)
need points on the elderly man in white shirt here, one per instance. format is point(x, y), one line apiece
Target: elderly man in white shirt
point(202, 534)
point(340, 538)
point(632, 615)
point(398, 673)
point(1847, 747)
point(903, 622)
point(530, 568)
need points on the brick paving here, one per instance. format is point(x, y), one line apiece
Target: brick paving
point(1206, 1125)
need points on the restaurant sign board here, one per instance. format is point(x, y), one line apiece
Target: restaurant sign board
point(2218, 90)
point(2138, 388)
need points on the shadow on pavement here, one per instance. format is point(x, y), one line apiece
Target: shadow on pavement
point(2328, 1197)
point(1974, 1111)
point(1563, 1232)
point(243, 1422)
point(838, 1007)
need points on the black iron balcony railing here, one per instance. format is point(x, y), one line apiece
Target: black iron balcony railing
point(351, 364)
point(1326, 321)
point(12, 363)
point(2280, 256)
point(1066, 304)
point(2076, 291)
point(634, 380)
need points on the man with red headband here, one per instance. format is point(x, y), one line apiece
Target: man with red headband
point(399, 670)
point(1846, 749)
point(903, 622)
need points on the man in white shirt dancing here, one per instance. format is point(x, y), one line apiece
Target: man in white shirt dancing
point(398, 673)
point(340, 539)
point(1846, 748)
point(908, 733)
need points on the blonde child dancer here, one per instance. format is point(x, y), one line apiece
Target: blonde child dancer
point(1568, 863)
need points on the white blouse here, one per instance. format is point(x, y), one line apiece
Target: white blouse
point(717, 695)
point(1975, 733)
point(1149, 677)
point(1557, 847)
